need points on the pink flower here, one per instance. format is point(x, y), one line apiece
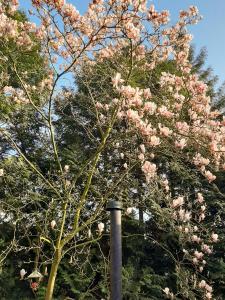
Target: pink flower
point(208, 295)
point(178, 202)
point(117, 80)
point(181, 144)
point(53, 224)
point(206, 249)
point(193, 10)
point(195, 238)
point(132, 115)
point(101, 227)
point(166, 291)
point(142, 146)
point(132, 31)
point(150, 107)
point(22, 274)
point(213, 146)
point(202, 284)
point(154, 141)
point(129, 210)
point(147, 94)
point(186, 229)
point(200, 161)
point(200, 198)
point(141, 156)
point(149, 170)
point(89, 233)
point(165, 131)
point(209, 176)
point(201, 217)
point(214, 237)
point(203, 208)
point(182, 127)
point(66, 168)
point(208, 288)
point(195, 261)
point(183, 215)
point(201, 269)
point(71, 12)
point(163, 111)
point(198, 254)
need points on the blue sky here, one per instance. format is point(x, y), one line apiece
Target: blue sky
point(209, 33)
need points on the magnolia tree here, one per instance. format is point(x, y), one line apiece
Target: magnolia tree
point(70, 199)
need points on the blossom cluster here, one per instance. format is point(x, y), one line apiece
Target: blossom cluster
point(13, 30)
point(201, 245)
point(15, 94)
point(162, 123)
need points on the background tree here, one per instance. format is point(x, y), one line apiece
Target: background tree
point(68, 194)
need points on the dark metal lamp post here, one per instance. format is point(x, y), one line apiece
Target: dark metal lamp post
point(115, 208)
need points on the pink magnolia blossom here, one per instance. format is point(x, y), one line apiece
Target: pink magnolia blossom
point(215, 237)
point(202, 284)
point(150, 107)
point(66, 168)
point(186, 229)
point(206, 249)
point(208, 295)
point(195, 261)
point(178, 202)
point(203, 208)
point(208, 288)
point(142, 146)
point(101, 227)
point(133, 115)
point(154, 141)
point(200, 198)
point(198, 255)
point(132, 31)
point(53, 224)
point(182, 127)
point(117, 80)
point(200, 161)
point(149, 170)
point(22, 274)
point(147, 93)
point(181, 143)
point(184, 215)
point(141, 156)
point(163, 111)
point(201, 217)
point(166, 291)
point(99, 105)
point(195, 238)
point(129, 210)
point(209, 176)
point(165, 131)
point(195, 228)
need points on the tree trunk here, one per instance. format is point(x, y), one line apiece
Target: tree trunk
point(53, 273)
point(141, 215)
